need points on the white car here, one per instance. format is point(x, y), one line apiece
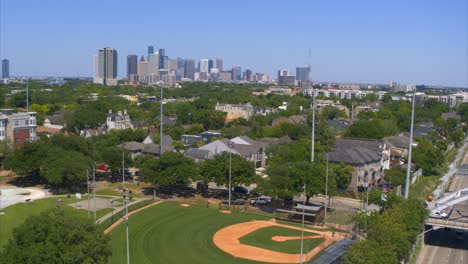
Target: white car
point(439, 215)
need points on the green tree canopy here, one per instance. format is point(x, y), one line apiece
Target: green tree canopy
point(57, 236)
point(217, 170)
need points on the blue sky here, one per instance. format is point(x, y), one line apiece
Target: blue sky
point(350, 41)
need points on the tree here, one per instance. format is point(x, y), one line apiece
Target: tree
point(83, 117)
point(330, 113)
point(66, 168)
point(428, 157)
point(369, 252)
point(112, 157)
point(27, 159)
point(57, 236)
point(343, 175)
point(395, 175)
point(217, 170)
point(170, 169)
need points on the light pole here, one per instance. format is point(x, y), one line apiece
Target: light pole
point(302, 229)
point(94, 183)
point(313, 126)
point(126, 206)
point(87, 194)
point(326, 192)
point(408, 164)
point(123, 167)
point(231, 146)
point(161, 125)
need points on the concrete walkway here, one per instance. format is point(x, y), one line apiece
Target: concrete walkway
point(118, 222)
point(120, 208)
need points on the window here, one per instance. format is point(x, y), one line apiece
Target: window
point(16, 140)
point(16, 122)
point(16, 132)
point(26, 122)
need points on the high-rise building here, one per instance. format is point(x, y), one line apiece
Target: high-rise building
point(236, 73)
point(303, 73)
point(5, 68)
point(203, 65)
point(143, 70)
point(105, 63)
point(189, 69)
point(219, 64)
point(153, 68)
point(248, 75)
point(162, 55)
point(150, 50)
point(132, 66)
point(282, 72)
point(210, 65)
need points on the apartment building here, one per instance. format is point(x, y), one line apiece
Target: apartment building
point(17, 128)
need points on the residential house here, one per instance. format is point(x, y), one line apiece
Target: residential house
point(245, 111)
point(209, 135)
point(120, 120)
point(369, 158)
point(293, 120)
point(398, 146)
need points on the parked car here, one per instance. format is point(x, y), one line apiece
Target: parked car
point(258, 202)
point(241, 190)
point(439, 215)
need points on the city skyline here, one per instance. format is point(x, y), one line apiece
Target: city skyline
point(422, 42)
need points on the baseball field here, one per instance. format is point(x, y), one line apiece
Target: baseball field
point(171, 233)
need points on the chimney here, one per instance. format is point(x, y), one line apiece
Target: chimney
point(125, 111)
point(119, 113)
point(110, 111)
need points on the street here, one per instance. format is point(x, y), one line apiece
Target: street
point(448, 246)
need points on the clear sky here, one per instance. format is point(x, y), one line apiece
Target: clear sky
point(408, 41)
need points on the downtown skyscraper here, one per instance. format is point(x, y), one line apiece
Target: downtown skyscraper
point(105, 67)
point(5, 68)
point(132, 67)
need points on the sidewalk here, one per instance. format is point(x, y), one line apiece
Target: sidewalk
point(120, 208)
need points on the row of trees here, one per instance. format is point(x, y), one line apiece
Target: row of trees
point(389, 234)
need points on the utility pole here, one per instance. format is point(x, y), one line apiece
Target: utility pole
point(123, 167)
point(408, 164)
point(302, 229)
point(94, 183)
point(161, 124)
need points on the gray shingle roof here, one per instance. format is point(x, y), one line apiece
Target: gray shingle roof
point(356, 151)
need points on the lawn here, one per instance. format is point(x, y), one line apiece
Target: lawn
point(423, 187)
point(168, 233)
point(262, 238)
point(16, 214)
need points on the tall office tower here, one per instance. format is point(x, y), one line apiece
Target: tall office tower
point(219, 64)
point(105, 71)
point(153, 68)
point(180, 63)
point(132, 67)
point(143, 70)
point(210, 65)
point(172, 64)
point(248, 75)
point(5, 68)
point(236, 73)
point(150, 50)
point(189, 69)
point(162, 55)
point(303, 73)
point(203, 66)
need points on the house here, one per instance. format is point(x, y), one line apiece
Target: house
point(398, 146)
point(120, 120)
point(244, 146)
point(190, 140)
point(423, 128)
point(368, 158)
point(56, 120)
point(209, 135)
point(245, 111)
point(293, 120)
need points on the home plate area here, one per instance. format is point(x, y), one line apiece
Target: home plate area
point(268, 241)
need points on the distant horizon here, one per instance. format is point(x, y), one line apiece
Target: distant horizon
point(363, 41)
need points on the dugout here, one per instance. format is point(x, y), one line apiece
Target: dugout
point(312, 213)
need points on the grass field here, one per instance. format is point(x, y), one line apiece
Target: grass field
point(262, 238)
point(16, 214)
point(171, 234)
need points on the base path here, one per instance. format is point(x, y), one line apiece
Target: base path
point(116, 223)
point(227, 239)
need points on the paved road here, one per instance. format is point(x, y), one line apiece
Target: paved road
point(445, 246)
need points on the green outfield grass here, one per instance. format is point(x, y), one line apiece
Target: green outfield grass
point(16, 214)
point(262, 238)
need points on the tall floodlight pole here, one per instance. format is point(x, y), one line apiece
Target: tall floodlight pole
point(123, 167)
point(326, 192)
point(87, 183)
point(94, 183)
point(27, 96)
point(125, 196)
point(312, 149)
point(161, 124)
point(231, 146)
point(408, 164)
point(302, 229)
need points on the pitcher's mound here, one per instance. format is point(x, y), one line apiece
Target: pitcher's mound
point(185, 205)
point(225, 211)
